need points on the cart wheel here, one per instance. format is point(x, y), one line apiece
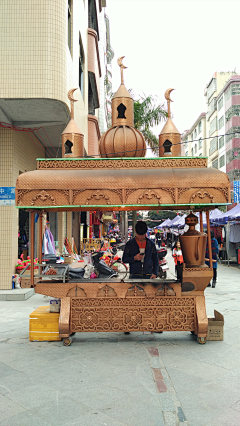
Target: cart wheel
point(160, 274)
point(193, 332)
point(67, 341)
point(165, 275)
point(202, 340)
point(120, 268)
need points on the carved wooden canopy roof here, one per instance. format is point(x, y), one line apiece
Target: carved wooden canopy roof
point(122, 184)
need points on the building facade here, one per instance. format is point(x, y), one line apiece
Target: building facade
point(46, 49)
point(194, 140)
point(220, 126)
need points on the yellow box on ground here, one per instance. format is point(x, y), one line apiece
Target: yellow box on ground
point(43, 325)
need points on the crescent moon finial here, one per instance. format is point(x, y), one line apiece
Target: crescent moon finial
point(71, 98)
point(168, 99)
point(122, 67)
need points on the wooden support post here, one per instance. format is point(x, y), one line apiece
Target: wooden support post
point(134, 221)
point(40, 240)
point(209, 240)
point(201, 222)
point(32, 247)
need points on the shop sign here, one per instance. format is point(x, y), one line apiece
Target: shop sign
point(7, 195)
point(236, 188)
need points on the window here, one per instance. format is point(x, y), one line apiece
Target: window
point(167, 146)
point(220, 103)
point(195, 133)
point(92, 16)
point(200, 127)
point(212, 87)
point(81, 65)
point(213, 126)
point(200, 154)
point(195, 149)
point(233, 111)
point(220, 122)
point(232, 133)
point(91, 105)
point(200, 143)
point(213, 145)
point(233, 90)
point(221, 142)
point(215, 163)
point(186, 153)
point(192, 136)
point(222, 161)
point(70, 25)
point(232, 154)
point(212, 107)
point(192, 152)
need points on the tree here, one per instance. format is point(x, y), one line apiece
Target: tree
point(160, 215)
point(148, 113)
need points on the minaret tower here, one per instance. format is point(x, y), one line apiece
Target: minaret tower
point(169, 138)
point(72, 138)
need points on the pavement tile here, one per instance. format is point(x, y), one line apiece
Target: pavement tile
point(227, 417)
point(135, 412)
point(8, 408)
point(5, 370)
point(25, 418)
point(157, 374)
point(170, 419)
point(33, 396)
point(153, 351)
point(161, 387)
point(60, 410)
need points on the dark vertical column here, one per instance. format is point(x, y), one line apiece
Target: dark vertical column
point(201, 222)
point(32, 247)
point(209, 240)
point(40, 240)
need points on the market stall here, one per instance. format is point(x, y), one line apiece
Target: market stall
point(124, 183)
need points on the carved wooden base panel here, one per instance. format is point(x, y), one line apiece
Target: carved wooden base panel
point(132, 314)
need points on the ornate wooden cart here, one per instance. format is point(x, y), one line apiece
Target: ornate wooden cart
point(124, 183)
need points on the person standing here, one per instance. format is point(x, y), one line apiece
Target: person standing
point(215, 251)
point(178, 259)
point(141, 254)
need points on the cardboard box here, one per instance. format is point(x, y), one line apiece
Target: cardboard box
point(68, 259)
point(215, 327)
point(44, 325)
point(26, 282)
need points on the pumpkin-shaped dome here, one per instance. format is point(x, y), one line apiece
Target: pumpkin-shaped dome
point(122, 141)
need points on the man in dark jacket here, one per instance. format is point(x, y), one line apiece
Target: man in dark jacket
point(140, 252)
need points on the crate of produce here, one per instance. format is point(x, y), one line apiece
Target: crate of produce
point(43, 325)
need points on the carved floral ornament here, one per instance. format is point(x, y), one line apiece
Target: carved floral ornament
point(202, 193)
point(98, 195)
point(149, 195)
point(43, 195)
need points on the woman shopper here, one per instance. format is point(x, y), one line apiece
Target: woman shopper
point(178, 259)
point(215, 251)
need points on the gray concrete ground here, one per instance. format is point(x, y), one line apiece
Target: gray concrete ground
point(117, 380)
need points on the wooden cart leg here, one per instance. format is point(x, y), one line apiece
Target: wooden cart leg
point(202, 321)
point(64, 321)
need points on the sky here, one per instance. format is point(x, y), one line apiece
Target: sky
point(176, 44)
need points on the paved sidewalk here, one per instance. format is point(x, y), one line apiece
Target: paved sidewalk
point(117, 380)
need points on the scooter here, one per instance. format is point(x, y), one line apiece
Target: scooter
point(163, 265)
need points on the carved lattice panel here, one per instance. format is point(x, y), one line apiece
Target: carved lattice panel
point(133, 314)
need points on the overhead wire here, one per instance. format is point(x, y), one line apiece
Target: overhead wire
point(27, 129)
